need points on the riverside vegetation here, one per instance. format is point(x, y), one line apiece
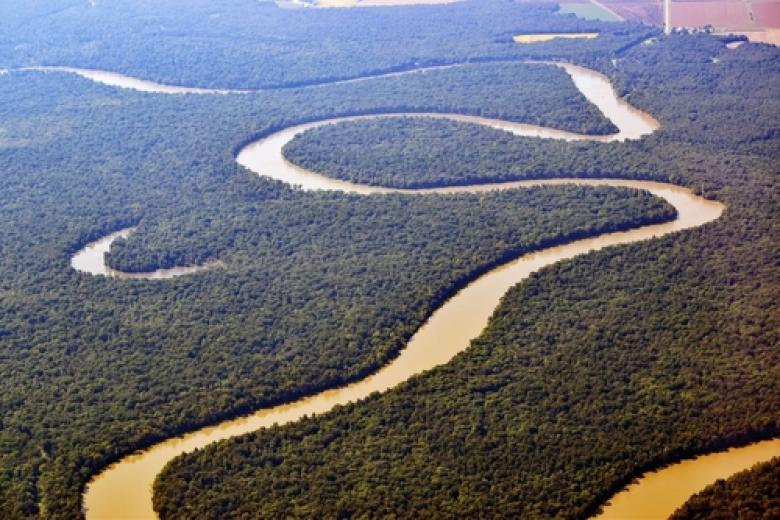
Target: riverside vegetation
point(317, 288)
point(320, 288)
point(644, 354)
point(246, 44)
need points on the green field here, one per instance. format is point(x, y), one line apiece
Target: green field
point(588, 12)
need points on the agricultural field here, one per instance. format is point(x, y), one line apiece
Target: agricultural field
point(731, 14)
point(588, 11)
point(743, 16)
point(647, 11)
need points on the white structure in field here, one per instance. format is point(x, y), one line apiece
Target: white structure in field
point(668, 16)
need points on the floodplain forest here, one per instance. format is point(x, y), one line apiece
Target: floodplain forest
point(644, 353)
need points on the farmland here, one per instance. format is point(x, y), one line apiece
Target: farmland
point(742, 16)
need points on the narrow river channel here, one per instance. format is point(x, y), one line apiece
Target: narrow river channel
point(90, 259)
point(124, 489)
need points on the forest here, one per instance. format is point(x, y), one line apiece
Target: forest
point(660, 341)
point(419, 152)
point(645, 354)
point(754, 493)
point(95, 368)
point(246, 44)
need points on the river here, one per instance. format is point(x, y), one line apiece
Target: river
point(115, 79)
point(123, 490)
point(90, 259)
point(657, 494)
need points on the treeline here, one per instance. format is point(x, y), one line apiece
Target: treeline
point(750, 494)
point(317, 289)
point(246, 44)
point(528, 93)
point(591, 372)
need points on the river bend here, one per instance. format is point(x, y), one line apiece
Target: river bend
point(90, 259)
point(124, 489)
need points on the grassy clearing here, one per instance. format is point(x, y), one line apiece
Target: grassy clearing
point(535, 38)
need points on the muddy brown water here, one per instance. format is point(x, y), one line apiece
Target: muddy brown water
point(124, 489)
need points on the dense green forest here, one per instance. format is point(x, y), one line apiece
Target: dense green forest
point(661, 342)
point(749, 495)
point(419, 152)
point(643, 354)
point(243, 43)
point(317, 288)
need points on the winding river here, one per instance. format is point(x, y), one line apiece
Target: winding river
point(115, 79)
point(90, 259)
point(124, 489)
